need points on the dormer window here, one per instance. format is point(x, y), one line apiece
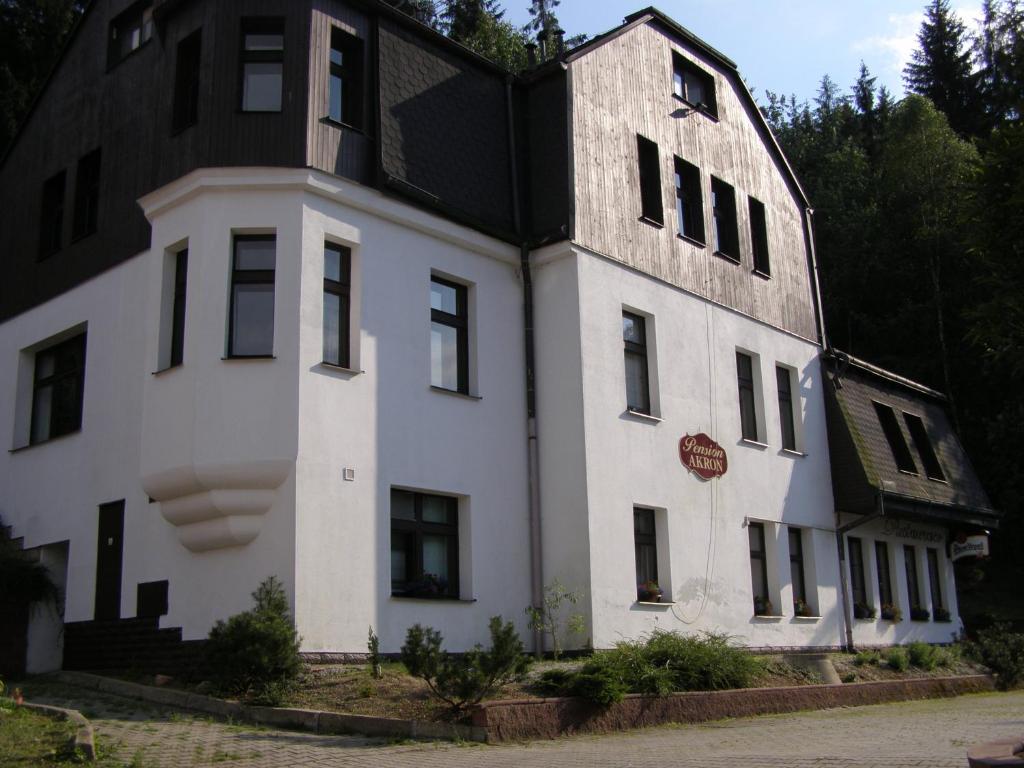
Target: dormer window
point(894, 436)
point(693, 85)
point(130, 31)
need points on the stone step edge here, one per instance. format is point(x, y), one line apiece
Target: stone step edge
point(314, 721)
point(84, 740)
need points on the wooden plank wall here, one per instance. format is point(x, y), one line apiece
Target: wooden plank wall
point(624, 88)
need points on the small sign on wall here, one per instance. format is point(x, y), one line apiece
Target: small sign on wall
point(968, 546)
point(703, 456)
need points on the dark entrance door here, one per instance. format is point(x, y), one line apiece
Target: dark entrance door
point(109, 548)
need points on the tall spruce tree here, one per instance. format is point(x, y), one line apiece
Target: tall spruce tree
point(941, 70)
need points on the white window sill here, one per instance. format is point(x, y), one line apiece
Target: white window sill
point(753, 444)
point(332, 368)
point(771, 617)
point(639, 415)
point(790, 452)
point(807, 619)
point(454, 393)
point(661, 604)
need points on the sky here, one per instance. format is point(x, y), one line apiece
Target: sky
point(785, 46)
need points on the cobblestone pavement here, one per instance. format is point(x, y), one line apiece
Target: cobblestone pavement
point(933, 733)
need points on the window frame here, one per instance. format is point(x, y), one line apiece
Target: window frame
point(898, 447)
point(689, 202)
point(725, 226)
point(858, 580)
point(460, 322)
point(759, 556)
point(188, 64)
point(934, 579)
point(787, 410)
point(137, 17)
point(652, 207)
point(759, 236)
point(51, 215)
point(637, 351)
point(351, 77)
point(260, 25)
point(797, 566)
point(751, 388)
point(681, 67)
point(913, 582)
point(251, 277)
point(417, 529)
point(883, 572)
point(87, 195)
point(75, 345)
point(643, 540)
point(342, 288)
point(179, 299)
point(925, 448)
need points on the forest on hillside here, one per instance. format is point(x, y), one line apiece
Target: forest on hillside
point(919, 214)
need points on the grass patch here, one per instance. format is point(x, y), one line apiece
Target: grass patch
point(30, 739)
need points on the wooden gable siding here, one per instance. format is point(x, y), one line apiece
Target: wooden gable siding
point(334, 148)
point(624, 88)
point(126, 112)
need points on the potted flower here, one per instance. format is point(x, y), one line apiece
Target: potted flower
point(917, 613)
point(762, 606)
point(801, 608)
point(891, 613)
point(649, 592)
point(428, 585)
point(864, 611)
point(943, 614)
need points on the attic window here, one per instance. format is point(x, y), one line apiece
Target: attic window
point(129, 31)
point(693, 85)
point(894, 436)
point(919, 435)
point(651, 209)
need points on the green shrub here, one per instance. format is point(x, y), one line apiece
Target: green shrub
point(1002, 651)
point(658, 664)
point(465, 679)
point(897, 659)
point(870, 658)
point(255, 654)
point(922, 655)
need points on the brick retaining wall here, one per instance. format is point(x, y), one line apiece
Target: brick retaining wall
point(524, 719)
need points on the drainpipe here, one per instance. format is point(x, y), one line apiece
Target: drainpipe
point(533, 462)
point(841, 531)
point(816, 284)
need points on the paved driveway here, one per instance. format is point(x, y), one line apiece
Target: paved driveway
point(932, 733)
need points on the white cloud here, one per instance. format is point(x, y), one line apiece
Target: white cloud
point(899, 39)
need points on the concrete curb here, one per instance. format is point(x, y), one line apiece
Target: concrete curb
point(314, 721)
point(84, 740)
point(996, 753)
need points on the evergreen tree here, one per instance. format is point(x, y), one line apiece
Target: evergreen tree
point(462, 19)
point(424, 11)
point(1000, 54)
point(940, 69)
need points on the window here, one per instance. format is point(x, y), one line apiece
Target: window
point(57, 389)
point(634, 337)
point(932, 468)
point(178, 308)
point(693, 85)
point(449, 343)
point(858, 587)
point(759, 236)
point(51, 216)
point(759, 569)
point(898, 446)
point(796, 565)
point(913, 587)
point(87, 195)
point(882, 566)
point(650, 181)
point(186, 83)
point(645, 545)
point(723, 205)
point(935, 581)
point(346, 80)
point(689, 203)
point(424, 545)
point(784, 379)
point(251, 331)
point(262, 64)
point(748, 408)
point(337, 272)
point(130, 31)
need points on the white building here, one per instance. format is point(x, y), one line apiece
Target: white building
point(278, 328)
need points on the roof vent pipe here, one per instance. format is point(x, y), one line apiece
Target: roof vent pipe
point(559, 41)
point(542, 39)
point(531, 54)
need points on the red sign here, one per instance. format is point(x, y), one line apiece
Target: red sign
point(703, 456)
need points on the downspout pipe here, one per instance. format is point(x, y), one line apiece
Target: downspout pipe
point(812, 255)
point(844, 583)
point(533, 461)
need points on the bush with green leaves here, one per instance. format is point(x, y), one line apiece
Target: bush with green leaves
point(1002, 651)
point(255, 654)
point(462, 680)
point(658, 664)
point(867, 658)
point(923, 656)
point(897, 659)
